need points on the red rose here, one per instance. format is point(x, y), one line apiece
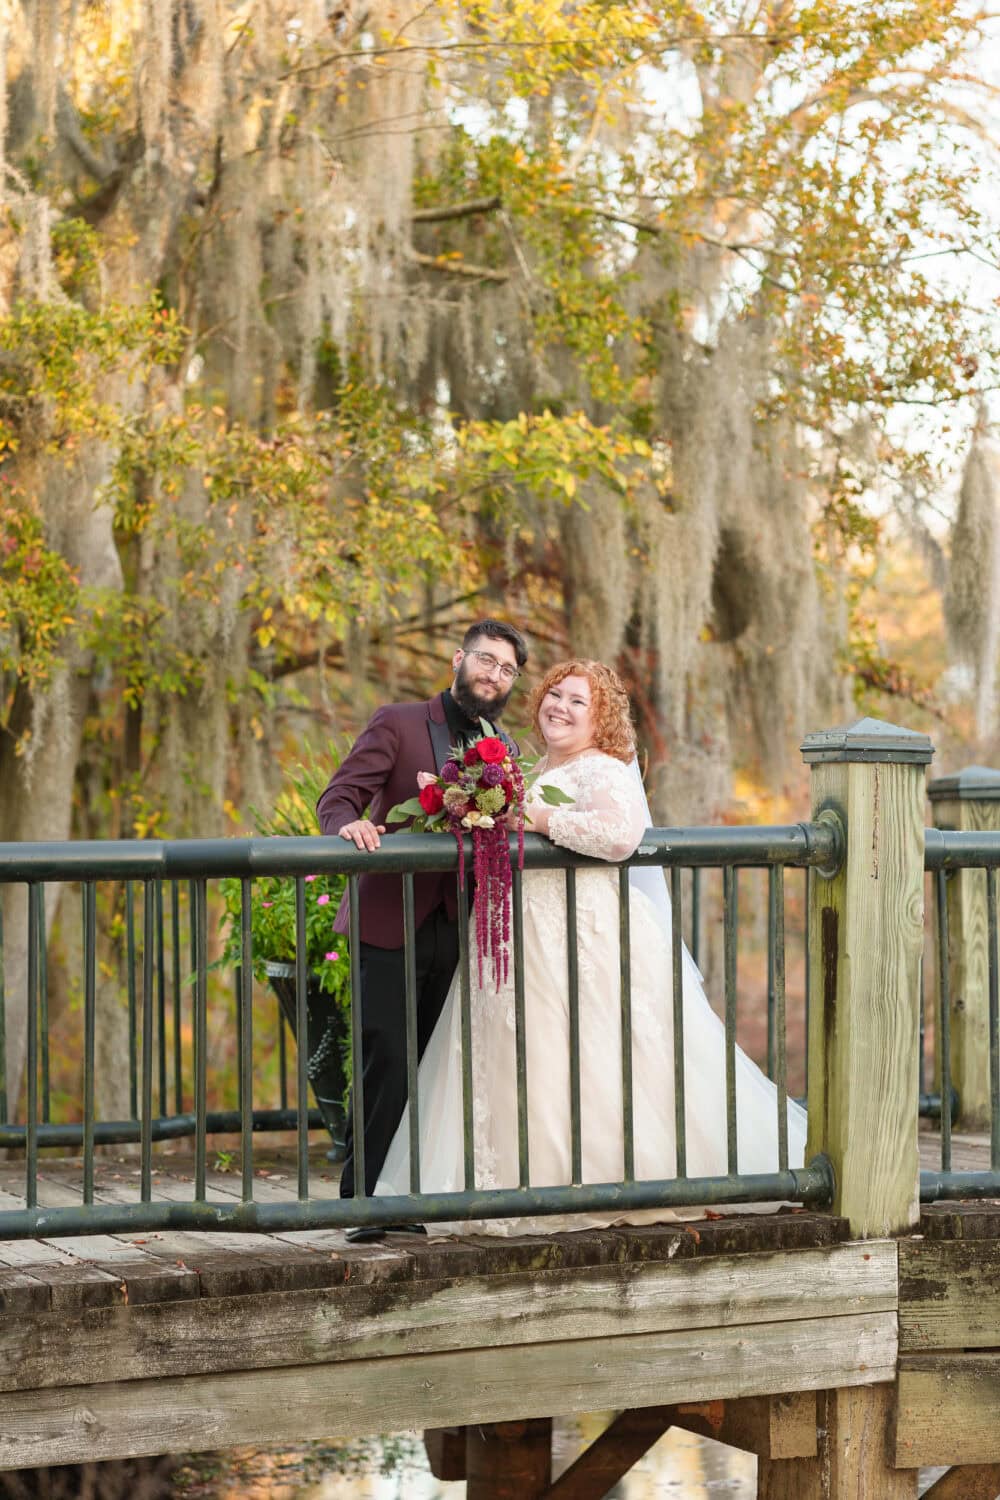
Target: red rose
point(431, 799)
point(492, 750)
point(471, 756)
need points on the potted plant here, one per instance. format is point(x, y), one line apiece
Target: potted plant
point(273, 929)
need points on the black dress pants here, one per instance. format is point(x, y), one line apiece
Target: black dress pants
point(383, 1032)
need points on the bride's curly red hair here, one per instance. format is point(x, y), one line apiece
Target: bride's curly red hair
point(609, 704)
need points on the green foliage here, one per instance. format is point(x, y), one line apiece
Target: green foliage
point(56, 359)
point(39, 593)
point(548, 456)
point(273, 901)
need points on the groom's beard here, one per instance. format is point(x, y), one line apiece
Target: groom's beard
point(472, 703)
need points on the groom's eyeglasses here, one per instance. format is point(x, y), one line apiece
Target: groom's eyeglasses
point(490, 664)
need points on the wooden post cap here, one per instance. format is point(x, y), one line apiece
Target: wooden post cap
point(974, 784)
point(868, 740)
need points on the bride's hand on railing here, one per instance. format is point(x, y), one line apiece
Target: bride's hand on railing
point(536, 819)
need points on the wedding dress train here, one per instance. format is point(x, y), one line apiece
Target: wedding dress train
point(606, 819)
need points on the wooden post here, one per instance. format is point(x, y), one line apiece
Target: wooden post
point(508, 1460)
point(446, 1451)
point(853, 1461)
point(968, 801)
point(866, 937)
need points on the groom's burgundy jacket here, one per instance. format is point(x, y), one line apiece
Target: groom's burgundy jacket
point(381, 770)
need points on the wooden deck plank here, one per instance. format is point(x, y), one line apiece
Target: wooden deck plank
point(73, 1284)
point(406, 1317)
point(21, 1294)
point(358, 1397)
point(969, 1152)
point(142, 1277)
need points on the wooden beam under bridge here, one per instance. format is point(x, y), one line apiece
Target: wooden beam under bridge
point(775, 1428)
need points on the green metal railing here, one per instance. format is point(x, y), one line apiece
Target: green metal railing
point(163, 982)
point(945, 853)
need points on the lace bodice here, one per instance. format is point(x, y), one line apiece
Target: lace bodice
point(607, 817)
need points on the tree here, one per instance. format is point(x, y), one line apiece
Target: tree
point(325, 326)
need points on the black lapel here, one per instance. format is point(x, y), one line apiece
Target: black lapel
point(440, 741)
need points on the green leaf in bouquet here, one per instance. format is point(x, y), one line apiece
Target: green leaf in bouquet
point(411, 808)
point(554, 796)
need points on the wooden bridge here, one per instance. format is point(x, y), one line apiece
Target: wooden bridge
point(847, 1347)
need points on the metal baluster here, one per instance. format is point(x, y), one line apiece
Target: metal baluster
point(43, 1007)
point(573, 977)
point(520, 1030)
point(922, 1034)
point(133, 1001)
point(246, 1036)
point(3, 1028)
point(200, 918)
point(146, 1134)
point(625, 990)
point(944, 1015)
point(807, 962)
point(302, 1040)
point(991, 916)
point(776, 966)
point(357, 1052)
point(677, 963)
point(89, 1032)
point(465, 995)
point(412, 1060)
point(161, 999)
point(238, 1005)
point(730, 898)
point(175, 954)
point(695, 914)
point(771, 992)
point(35, 894)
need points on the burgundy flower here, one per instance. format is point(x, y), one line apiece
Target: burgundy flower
point(451, 771)
point(431, 798)
point(492, 750)
point(492, 776)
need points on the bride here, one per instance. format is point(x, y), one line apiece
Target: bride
point(581, 711)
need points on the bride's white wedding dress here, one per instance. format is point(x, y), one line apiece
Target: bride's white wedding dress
point(606, 819)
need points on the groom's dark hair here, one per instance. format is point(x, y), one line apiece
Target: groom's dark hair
point(497, 630)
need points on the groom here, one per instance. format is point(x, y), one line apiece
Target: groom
point(400, 740)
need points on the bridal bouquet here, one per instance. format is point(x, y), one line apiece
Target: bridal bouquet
point(480, 790)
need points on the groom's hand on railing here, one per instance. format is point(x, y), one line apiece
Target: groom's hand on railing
point(363, 833)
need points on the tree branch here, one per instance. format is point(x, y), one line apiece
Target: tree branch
point(457, 267)
point(456, 210)
point(68, 126)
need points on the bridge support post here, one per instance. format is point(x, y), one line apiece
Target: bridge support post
point(865, 940)
point(853, 1461)
point(968, 801)
point(508, 1460)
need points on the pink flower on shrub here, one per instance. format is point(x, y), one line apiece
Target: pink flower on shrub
point(331, 958)
point(312, 877)
point(322, 900)
point(267, 903)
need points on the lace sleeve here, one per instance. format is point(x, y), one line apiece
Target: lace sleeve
point(606, 819)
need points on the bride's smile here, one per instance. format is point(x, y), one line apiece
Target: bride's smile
point(566, 720)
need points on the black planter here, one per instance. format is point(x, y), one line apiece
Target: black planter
point(327, 1031)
